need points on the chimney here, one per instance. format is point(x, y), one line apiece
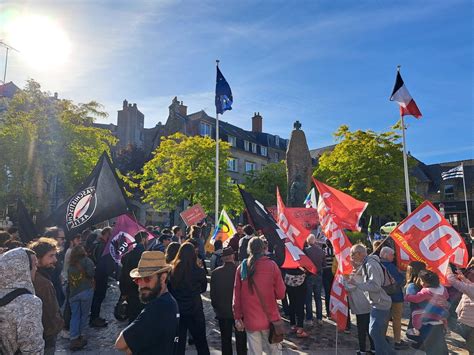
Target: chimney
point(125, 104)
point(257, 122)
point(177, 106)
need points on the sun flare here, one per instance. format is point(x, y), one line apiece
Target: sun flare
point(41, 42)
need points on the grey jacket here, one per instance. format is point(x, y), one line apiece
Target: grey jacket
point(20, 320)
point(372, 283)
point(358, 300)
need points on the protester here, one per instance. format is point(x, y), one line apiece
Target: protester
point(81, 289)
point(155, 330)
point(177, 235)
point(387, 256)
point(258, 285)
point(328, 275)
point(314, 282)
point(234, 241)
point(465, 309)
point(46, 250)
point(249, 232)
point(21, 328)
point(412, 288)
point(432, 320)
point(4, 236)
point(163, 241)
point(128, 288)
point(380, 303)
point(195, 235)
point(13, 231)
point(56, 273)
point(75, 241)
point(295, 281)
point(222, 288)
point(171, 252)
point(216, 258)
point(104, 265)
point(187, 282)
point(360, 306)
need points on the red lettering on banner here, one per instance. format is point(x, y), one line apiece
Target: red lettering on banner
point(427, 236)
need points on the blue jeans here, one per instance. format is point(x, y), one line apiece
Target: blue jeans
point(80, 308)
point(314, 286)
point(378, 323)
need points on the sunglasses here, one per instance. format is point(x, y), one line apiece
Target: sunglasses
point(145, 279)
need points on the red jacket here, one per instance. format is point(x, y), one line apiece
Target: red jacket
point(247, 306)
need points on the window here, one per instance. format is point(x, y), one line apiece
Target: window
point(232, 141)
point(249, 166)
point(449, 192)
point(232, 164)
point(277, 156)
point(277, 141)
point(263, 150)
point(254, 148)
point(205, 129)
point(247, 145)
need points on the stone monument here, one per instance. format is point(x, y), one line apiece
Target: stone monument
point(298, 167)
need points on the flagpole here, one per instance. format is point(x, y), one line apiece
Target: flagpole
point(465, 199)
point(217, 166)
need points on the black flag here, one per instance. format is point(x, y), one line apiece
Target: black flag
point(263, 221)
point(26, 227)
point(101, 197)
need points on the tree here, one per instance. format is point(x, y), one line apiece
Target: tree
point(182, 168)
point(369, 167)
point(130, 159)
point(262, 184)
point(48, 146)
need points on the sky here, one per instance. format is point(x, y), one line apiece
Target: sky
point(324, 63)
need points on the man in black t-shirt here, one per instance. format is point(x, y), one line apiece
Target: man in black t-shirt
point(156, 327)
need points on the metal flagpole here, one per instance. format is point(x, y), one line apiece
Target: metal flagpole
point(217, 165)
point(337, 331)
point(7, 47)
point(405, 168)
point(465, 199)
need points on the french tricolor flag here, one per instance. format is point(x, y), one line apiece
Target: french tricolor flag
point(401, 95)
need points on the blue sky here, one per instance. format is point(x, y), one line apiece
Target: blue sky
point(324, 63)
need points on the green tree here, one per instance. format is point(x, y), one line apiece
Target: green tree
point(48, 146)
point(368, 166)
point(182, 168)
point(262, 184)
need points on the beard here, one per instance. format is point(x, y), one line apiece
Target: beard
point(149, 295)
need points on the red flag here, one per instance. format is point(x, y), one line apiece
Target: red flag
point(338, 303)
point(345, 210)
point(123, 233)
point(296, 258)
point(425, 235)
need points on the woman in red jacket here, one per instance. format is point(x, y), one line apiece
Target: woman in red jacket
point(257, 281)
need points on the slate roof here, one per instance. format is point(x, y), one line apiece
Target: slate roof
point(8, 90)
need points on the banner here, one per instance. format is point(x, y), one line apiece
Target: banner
point(100, 198)
point(225, 229)
point(402, 258)
point(123, 237)
point(425, 235)
point(296, 222)
point(338, 302)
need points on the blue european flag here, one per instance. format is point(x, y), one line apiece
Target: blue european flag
point(224, 98)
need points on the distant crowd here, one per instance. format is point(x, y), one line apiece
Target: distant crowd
point(56, 285)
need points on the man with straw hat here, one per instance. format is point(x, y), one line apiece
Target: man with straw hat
point(155, 329)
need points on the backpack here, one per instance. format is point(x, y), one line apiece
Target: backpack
point(244, 242)
point(389, 285)
point(12, 295)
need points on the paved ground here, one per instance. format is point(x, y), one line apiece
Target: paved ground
point(322, 340)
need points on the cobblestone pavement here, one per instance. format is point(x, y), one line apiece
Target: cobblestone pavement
point(322, 339)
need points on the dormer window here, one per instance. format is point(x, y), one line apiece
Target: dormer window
point(247, 145)
point(263, 151)
point(205, 129)
point(254, 148)
point(232, 141)
point(277, 141)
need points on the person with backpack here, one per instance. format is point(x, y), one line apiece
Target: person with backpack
point(21, 328)
point(387, 255)
point(249, 232)
point(81, 289)
point(216, 258)
point(374, 278)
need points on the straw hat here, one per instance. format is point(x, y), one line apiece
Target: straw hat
point(151, 263)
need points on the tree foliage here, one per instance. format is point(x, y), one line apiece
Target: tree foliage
point(262, 184)
point(48, 146)
point(182, 168)
point(368, 166)
point(130, 159)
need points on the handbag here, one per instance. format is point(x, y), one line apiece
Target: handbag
point(277, 328)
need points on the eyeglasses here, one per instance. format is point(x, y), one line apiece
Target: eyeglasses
point(145, 279)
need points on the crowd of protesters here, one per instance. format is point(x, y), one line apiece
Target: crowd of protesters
point(53, 285)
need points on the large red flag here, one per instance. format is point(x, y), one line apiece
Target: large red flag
point(338, 303)
point(345, 209)
point(123, 233)
point(425, 235)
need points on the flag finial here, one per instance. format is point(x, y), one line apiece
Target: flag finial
point(217, 62)
point(398, 67)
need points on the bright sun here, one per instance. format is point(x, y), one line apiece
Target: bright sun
point(41, 42)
